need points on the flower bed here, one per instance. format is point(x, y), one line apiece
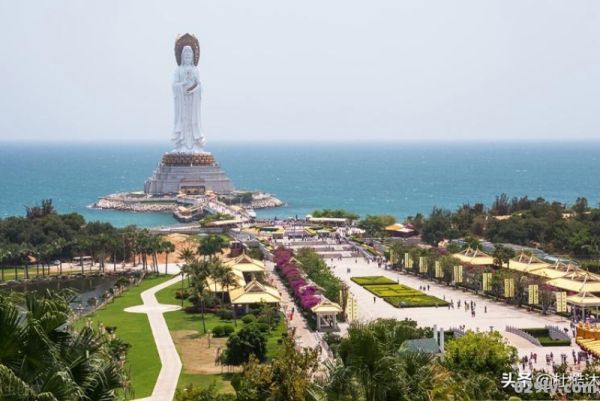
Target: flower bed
point(371, 280)
point(397, 295)
point(305, 293)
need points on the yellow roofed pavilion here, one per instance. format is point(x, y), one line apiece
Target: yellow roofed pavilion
point(246, 264)
point(254, 293)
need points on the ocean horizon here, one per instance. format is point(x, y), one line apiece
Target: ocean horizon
point(398, 178)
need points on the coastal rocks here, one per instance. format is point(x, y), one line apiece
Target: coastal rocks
point(124, 203)
point(264, 201)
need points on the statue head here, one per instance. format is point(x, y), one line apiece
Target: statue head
point(193, 46)
point(187, 56)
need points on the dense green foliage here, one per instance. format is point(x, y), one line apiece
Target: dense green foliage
point(553, 226)
point(317, 271)
point(43, 358)
point(374, 225)
point(336, 213)
point(289, 376)
point(242, 197)
point(479, 360)
point(249, 340)
point(45, 236)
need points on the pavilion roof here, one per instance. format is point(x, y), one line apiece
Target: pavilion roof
point(577, 281)
point(326, 306)
point(253, 293)
point(584, 299)
point(246, 264)
point(474, 257)
point(527, 263)
point(217, 287)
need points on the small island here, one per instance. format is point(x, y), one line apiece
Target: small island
point(188, 181)
point(191, 207)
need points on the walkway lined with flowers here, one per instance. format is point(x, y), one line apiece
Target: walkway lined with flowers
point(304, 336)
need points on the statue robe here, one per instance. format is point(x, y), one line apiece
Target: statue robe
point(187, 135)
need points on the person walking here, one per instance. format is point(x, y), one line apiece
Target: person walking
point(374, 299)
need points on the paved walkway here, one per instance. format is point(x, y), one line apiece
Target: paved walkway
point(498, 314)
point(166, 383)
point(305, 337)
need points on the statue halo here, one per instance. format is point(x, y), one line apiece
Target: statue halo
point(187, 40)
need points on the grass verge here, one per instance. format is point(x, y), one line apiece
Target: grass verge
point(143, 362)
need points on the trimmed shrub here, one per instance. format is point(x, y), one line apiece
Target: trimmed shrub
point(263, 327)
point(222, 330)
point(182, 294)
point(247, 319)
point(225, 314)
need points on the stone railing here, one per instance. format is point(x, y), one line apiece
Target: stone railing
point(524, 335)
point(557, 334)
point(457, 332)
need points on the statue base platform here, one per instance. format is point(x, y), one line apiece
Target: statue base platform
point(191, 173)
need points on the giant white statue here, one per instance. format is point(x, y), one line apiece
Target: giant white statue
point(187, 94)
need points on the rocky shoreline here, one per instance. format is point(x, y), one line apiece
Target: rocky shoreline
point(136, 202)
point(131, 206)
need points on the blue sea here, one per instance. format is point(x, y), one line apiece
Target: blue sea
point(396, 178)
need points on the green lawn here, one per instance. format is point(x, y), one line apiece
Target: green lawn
point(398, 295)
point(143, 362)
point(179, 320)
point(222, 381)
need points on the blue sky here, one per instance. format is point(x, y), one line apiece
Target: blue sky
point(304, 71)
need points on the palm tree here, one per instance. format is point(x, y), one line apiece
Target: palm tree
point(3, 258)
point(167, 247)
point(199, 272)
point(187, 254)
point(211, 245)
point(44, 359)
point(227, 279)
point(216, 270)
point(26, 251)
point(81, 245)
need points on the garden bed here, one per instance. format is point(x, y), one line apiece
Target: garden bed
point(372, 280)
point(397, 295)
point(543, 336)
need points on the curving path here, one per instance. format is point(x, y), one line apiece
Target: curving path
point(166, 383)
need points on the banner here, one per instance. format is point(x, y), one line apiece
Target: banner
point(487, 281)
point(407, 261)
point(422, 264)
point(439, 272)
point(509, 287)
point(561, 301)
point(393, 257)
point(534, 298)
point(352, 309)
point(458, 274)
